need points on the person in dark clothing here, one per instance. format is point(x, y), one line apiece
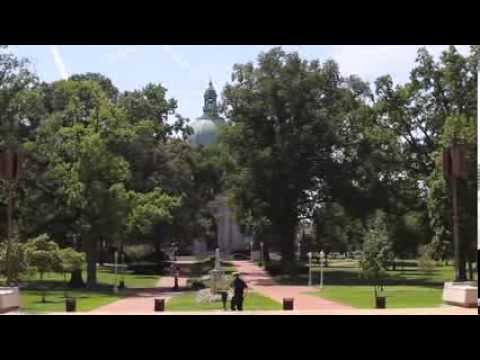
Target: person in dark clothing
point(239, 287)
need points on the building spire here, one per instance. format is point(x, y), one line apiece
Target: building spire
point(210, 97)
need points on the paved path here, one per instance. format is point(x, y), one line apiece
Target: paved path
point(259, 280)
point(140, 301)
point(451, 310)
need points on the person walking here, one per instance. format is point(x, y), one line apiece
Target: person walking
point(239, 286)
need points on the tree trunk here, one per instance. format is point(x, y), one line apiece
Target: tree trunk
point(91, 250)
point(266, 253)
point(43, 288)
point(462, 269)
point(101, 258)
point(76, 280)
point(287, 246)
point(470, 270)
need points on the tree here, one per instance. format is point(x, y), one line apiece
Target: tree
point(18, 264)
point(105, 83)
point(376, 251)
point(282, 114)
point(71, 261)
point(42, 254)
point(81, 146)
point(335, 230)
point(460, 129)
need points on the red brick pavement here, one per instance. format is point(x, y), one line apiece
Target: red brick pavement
point(141, 301)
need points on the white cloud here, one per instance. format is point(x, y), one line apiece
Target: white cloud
point(121, 53)
point(372, 61)
point(176, 57)
point(58, 60)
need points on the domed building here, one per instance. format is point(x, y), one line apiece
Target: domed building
point(205, 133)
point(205, 128)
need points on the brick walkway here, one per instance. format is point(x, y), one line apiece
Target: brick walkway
point(450, 310)
point(259, 280)
point(140, 301)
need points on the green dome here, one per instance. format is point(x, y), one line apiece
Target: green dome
point(204, 132)
point(205, 128)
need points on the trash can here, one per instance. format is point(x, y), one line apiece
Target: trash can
point(121, 285)
point(288, 304)
point(71, 305)
point(380, 302)
point(159, 304)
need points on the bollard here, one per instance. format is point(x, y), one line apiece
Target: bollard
point(159, 304)
point(70, 305)
point(287, 303)
point(380, 302)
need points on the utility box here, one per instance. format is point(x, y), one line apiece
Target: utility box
point(461, 293)
point(9, 299)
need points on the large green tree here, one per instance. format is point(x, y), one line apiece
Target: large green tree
point(81, 145)
point(284, 112)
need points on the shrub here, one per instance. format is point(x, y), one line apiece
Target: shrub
point(147, 268)
point(275, 268)
point(136, 253)
point(43, 254)
point(426, 261)
point(196, 284)
point(18, 264)
point(376, 251)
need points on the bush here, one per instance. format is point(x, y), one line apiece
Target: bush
point(376, 251)
point(136, 253)
point(198, 283)
point(147, 268)
point(275, 268)
point(426, 264)
point(426, 261)
point(18, 264)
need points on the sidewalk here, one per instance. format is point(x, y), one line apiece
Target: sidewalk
point(451, 310)
point(141, 301)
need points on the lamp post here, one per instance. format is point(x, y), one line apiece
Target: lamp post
point(173, 249)
point(115, 286)
point(261, 254)
point(122, 277)
point(322, 257)
point(251, 250)
point(309, 268)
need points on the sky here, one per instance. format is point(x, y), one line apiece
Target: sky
point(185, 70)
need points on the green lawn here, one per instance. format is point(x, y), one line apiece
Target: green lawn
point(407, 287)
point(55, 301)
point(187, 302)
point(398, 296)
point(86, 299)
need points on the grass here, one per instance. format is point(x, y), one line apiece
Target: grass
point(398, 296)
point(86, 299)
point(55, 301)
point(187, 302)
point(407, 287)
